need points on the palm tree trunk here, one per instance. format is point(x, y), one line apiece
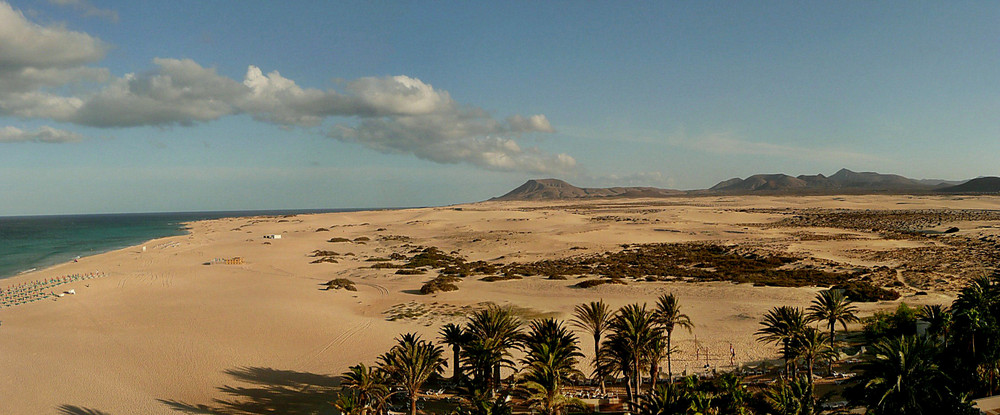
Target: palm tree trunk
point(833, 345)
point(785, 354)
point(638, 376)
point(458, 365)
point(670, 372)
point(413, 403)
point(810, 399)
point(597, 361)
point(496, 376)
point(654, 369)
point(628, 389)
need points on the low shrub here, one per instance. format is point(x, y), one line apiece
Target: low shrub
point(336, 284)
point(866, 292)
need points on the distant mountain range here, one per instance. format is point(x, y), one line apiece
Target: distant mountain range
point(841, 182)
point(544, 189)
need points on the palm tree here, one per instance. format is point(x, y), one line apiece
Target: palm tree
point(347, 403)
point(668, 314)
point(493, 333)
point(633, 330)
point(901, 376)
point(593, 317)
point(655, 353)
point(551, 355)
point(780, 325)
point(664, 400)
point(368, 384)
point(733, 395)
point(811, 343)
point(976, 334)
point(939, 320)
point(411, 362)
point(785, 397)
point(833, 307)
point(453, 335)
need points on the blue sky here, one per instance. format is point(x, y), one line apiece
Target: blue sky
point(191, 105)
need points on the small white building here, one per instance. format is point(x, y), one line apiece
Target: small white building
point(274, 236)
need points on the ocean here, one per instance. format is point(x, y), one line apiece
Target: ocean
point(37, 242)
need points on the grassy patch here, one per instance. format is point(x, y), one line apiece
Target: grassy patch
point(442, 283)
point(594, 283)
point(339, 283)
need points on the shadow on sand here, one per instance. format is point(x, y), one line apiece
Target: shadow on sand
point(271, 391)
point(76, 410)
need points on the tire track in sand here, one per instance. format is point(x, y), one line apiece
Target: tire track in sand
point(336, 341)
point(381, 290)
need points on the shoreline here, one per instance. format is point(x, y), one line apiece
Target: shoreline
point(169, 328)
point(182, 226)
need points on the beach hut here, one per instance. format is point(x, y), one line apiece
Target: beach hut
point(234, 260)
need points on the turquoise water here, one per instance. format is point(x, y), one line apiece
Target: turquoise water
point(36, 242)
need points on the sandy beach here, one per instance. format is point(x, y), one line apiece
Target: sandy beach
point(172, 328)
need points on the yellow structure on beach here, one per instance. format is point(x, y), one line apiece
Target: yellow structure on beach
point(236, 260)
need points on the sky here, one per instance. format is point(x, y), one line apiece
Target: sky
point(141, 106)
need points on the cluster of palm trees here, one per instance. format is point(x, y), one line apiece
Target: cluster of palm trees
point(957, 357)
point(638, 339)
point(407, 365)
point(629, 341)
point(789, 327)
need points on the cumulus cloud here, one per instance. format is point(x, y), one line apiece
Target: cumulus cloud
point(44, 134)
point(178, 91)
point(32, 56)
point(455, 136)
point(392, 114)
point(399, 95)
point(274, 98)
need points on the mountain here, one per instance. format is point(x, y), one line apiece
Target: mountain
point(871, 180)
point(845, 181)
point(761, 182)
point(941, 182)
point(548, 189)
point(977, 185)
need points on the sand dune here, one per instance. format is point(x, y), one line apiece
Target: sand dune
point(171, 328)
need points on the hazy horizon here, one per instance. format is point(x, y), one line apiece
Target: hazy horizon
point(162, 107)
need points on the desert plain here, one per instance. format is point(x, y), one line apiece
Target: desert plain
point(170, 327)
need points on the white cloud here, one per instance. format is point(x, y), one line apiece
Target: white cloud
point(27, 45)
point(276, 99)
point(44, 134)
point(536, 123)
point(394, 114)
point(399, 95)
point(38, 104)
point(179, 91)
point(455, 136)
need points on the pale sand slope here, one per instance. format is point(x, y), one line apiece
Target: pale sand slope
point(163, 331)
